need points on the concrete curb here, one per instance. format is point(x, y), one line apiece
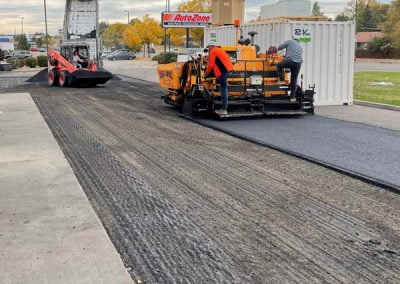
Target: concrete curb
point(376, 105)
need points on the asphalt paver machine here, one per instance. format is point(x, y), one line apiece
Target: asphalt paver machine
point(254, 86)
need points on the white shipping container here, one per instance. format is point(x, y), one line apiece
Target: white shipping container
point(328, 52)
point(81, 24)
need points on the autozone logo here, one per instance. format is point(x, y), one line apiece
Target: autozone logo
point(194, 18)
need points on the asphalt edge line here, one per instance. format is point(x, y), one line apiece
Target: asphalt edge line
point(387, 186)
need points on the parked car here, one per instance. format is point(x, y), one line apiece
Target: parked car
point(7, 54)
point(22, 54)
point(105, 54)
point(122, 55)
point(33, 49)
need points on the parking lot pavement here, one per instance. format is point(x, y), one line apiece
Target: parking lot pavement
point(388, 65)
point(49, 232)
point(138, 68)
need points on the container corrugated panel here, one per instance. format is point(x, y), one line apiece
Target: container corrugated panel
point(80, 23)
point(328, 57)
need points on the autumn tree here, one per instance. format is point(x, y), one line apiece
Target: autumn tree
point(149, 31)
point(112, 36)
point(196, 6)
point(177, 35)
point(131, 37)
point(391, 26)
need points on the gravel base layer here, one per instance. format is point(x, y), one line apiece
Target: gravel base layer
point(186, 204)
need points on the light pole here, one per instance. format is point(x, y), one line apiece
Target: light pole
point(45, 23)
point(128, 15)
point(108, 17)
point(22, 25)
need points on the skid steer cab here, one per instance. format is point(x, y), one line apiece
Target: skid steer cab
point(254, 85)
point(64, 70)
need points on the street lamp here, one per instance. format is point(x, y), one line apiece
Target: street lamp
point(22, 25)
point(128, 15)
point(45, 22)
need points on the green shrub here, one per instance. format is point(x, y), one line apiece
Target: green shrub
point(21, 63)
point(42, 60)
point(14, 62)
point(31, 62)
point(166, 57)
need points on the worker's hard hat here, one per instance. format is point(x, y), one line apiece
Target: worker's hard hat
point(211, 43)
point(295, 37)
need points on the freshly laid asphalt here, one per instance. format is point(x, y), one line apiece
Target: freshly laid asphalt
point(364, 150)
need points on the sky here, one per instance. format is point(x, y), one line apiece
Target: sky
point(111, 10)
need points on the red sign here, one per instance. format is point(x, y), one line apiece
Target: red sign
point(186, 19)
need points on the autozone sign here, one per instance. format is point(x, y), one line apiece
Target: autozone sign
point(186, 19)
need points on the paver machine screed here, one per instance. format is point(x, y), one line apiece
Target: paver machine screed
point(254, 86)
point(64, 72)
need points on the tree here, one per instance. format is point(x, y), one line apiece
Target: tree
point(343, 17)
point(149, 31)
point(368, 19)
point(391, 26)
point(131, 37)
point(112, 36)
point(177, 35)
point(39, 39)
point(196, 6)
point(316, 10)
point(102, 27)
point(370, 14)
point(22, 42)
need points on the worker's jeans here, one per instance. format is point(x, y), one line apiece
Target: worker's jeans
point(294, 73)
point(223, 81)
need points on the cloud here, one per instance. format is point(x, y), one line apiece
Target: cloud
point(113, 10)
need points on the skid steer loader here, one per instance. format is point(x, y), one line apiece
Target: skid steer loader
point(254, 88)
point(64, 73)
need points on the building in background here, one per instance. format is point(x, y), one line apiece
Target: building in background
point(7, 42)
point(363, 38)
point(225, 12)
point(286, 8)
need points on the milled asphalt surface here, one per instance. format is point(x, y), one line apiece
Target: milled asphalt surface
point(186, 204)
point(48, 231)
point(359, 148)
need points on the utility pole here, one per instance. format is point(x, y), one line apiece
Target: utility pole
point(22, 25)
point(45, 23)
point(128, 15)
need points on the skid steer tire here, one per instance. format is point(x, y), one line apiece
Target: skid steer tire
point(63, 79)
point(52, 78)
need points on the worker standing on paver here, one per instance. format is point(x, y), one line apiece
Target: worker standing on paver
point(219, 63)
point(293, 60)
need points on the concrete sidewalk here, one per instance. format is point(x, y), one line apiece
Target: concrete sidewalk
point(361, 114)
point(49, 232)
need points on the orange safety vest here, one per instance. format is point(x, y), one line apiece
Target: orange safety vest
point(219, 62)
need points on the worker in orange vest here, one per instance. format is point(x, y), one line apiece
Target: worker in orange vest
point(219, 63)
